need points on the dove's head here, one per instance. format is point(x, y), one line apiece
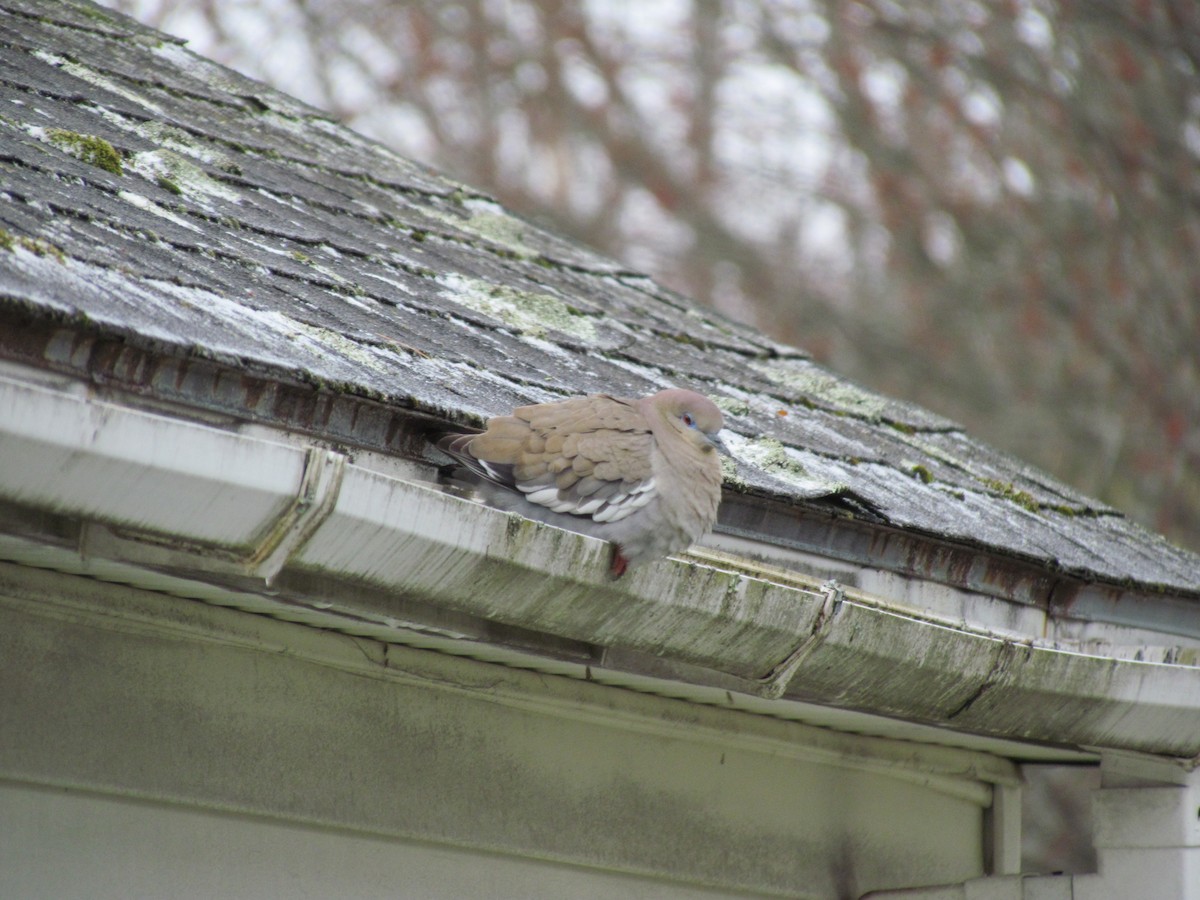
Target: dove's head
point(696, 418)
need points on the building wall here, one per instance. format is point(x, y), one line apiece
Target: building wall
point(149, 742)
point(67, 844)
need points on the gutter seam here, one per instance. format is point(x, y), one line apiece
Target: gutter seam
point(1000, 666)
point(316, 498)
point(775, 683)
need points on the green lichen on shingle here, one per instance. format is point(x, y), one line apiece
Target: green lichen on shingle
point(1063, 510)
point(40, 247)
point(530, 313)
point(682, 337)
point(729, 473)
point(731, 406)
point(36, 246)
point(808, 382)
point(921, 473)
point(491, 222)
point(170, 138)
point(87, 148)
point(771, 456)
point(1010, 492)
point(178, 174)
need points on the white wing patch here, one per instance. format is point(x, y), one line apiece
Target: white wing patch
point(624, 505)
point(543, 496)
point(600, 509)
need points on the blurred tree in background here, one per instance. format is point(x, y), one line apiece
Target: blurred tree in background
point(991, 208)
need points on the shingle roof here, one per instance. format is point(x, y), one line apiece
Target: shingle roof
point(240, 227)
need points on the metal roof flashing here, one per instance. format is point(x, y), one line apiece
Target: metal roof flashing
point(287, 526)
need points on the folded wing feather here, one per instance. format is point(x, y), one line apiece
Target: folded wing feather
point(591, 456)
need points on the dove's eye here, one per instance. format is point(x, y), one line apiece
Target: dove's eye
point(688, 420)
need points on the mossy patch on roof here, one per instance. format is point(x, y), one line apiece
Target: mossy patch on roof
point(1007, 490)
point(729, 473)
point(732, 405)
point(807, 380)
point(87, 148)
point(781, 462)
point(170, 138)
point(528, 312)
point(491, 222)
point(921, 472)
point(36, 246)
point(179, 175)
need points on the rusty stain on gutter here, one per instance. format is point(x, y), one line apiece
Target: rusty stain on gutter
point(207, 389)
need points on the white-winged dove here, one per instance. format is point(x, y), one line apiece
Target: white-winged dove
point(641, 473)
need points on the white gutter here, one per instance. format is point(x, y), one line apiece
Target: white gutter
point(63, 452)
point(214, 504)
